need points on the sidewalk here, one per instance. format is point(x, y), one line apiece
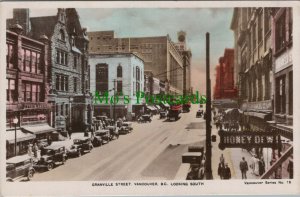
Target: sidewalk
point(232, 156)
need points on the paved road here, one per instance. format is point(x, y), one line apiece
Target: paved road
point(152, 151)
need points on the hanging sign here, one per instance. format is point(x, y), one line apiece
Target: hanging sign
point(248, 139)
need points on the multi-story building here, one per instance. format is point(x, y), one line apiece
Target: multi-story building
point(119, 74)
point(27, 108)
point(68, 73)
point(159, 53)
point(225, 86)
point(263, 44)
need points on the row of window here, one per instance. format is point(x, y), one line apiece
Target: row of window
point(281, 94)
point(62, 83)
point(30, 59)
point(62, 109)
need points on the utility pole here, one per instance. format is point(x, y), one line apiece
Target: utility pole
point(184, 72)
point(114, 100)
point(208, 171)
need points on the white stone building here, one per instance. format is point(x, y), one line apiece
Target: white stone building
point(120, 74)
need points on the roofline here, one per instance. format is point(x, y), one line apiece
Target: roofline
point(233, 18)
point(116, 53)
point(25, 37)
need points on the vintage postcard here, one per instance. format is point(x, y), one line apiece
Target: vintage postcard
point(149, 98)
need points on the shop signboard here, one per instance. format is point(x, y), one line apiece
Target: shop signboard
point(248, 139)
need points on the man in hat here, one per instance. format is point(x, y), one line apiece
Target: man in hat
point(226, 172)
point(244, 168)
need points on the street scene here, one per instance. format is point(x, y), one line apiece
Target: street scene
point(111, 94)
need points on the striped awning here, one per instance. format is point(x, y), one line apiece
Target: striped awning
point(39, 128)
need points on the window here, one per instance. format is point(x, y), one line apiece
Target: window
point(254, 36)
point(280, 33)
point(137, 73)
point(27, 61)
point(291, 93)
point(9, 55)
point(62, 109)
point(31, 92)
point(75, 84)
point(38, 63)
point(280, 94)
point(119, 71)
point(11, 90)
point(33, 62)
point(67, 109)
point(75, 62)
point(62, 82)
point(56, 109)
point(267, 20)
point(260, 27)
point(290, 24)
point(101, 78)
point(62, 35)
point(119, 86)
point(61, 57)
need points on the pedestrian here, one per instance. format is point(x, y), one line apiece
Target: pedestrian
point(29, 151)
point(222, 159)
point(35, 149)
point(226, 172)
point(261, 166)
point(255, 165)
point(244, 168)
point(193, 173)
point(221, 170)
point(290, 169)
point(70, 132)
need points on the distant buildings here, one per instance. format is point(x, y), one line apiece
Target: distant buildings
point(120, 74)
point(160, 55)
point(225, 85)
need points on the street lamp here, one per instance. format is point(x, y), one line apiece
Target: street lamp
point(70, 113)
point(15, 121)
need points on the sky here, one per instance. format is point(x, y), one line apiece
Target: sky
point(140, 22)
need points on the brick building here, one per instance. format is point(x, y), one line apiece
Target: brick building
point(225, 85)
point(68, 77)
point(159, 53)
point(26, 85)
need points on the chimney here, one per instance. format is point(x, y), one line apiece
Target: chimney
point(21, 17)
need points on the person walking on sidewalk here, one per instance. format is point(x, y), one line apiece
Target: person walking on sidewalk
point(244, 168)
point(227, 172)
point(221, 170)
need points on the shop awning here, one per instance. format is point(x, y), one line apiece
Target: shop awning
point(21, 136)
point(264, 116)
point(39, 128)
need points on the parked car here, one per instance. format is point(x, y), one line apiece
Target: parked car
point(199, 113)
point(97, 139)
point(74, 150)
point(144, 118)
point(85, 143)
point(18, 167)
point(104, 134)
point(51, 155)
point(125, 128)
point(163, 114)
point(42, 143)
point(114, 132)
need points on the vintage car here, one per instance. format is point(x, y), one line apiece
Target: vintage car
point(199, 113)
point(19, 167)
point(144, 118)
point(97, 139)
point(85, 143)
point(125, 128)
point(42, 143)
point(104, 134)
point(163, 114)
point(51, 156)
point(74, 150)
point(114, 131)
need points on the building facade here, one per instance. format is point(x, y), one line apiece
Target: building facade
point(118, 74)
point(225, 85)
point(68, 73)
point(27, 108)
point(159, 54)
point(263, 63)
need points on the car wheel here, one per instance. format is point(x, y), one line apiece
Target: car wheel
point(30, 175)
point(50, 166)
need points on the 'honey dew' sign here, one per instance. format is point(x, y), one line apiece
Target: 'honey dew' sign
point(248, 139)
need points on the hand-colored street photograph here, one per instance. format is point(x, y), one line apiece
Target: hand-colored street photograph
point(230, 68)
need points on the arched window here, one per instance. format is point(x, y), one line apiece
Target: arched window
point(62, 35)
point(119, 71)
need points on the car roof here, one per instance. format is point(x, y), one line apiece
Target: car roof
point(54, 146)
point(82, 138)
point(18, 159)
